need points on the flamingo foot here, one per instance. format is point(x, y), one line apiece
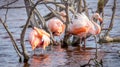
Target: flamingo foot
point(42, 51)
point(84, 47)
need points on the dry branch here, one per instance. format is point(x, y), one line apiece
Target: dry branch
point(9, 33)
point(26, 57)
point(106, 37)
point(54, 12)
point(62, 6)
point(79, 6)
point(12, 39)
point(8, 4)
point(66, 36)
point(112, 19)
point(86, 8)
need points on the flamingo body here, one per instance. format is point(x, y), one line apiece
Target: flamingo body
point(79, 27)
point(56, 26)
point(39, 38)
point(83, 27)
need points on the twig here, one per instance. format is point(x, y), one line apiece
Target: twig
point(8, 4)
point(27, 4)
point(66, 36)
point(9, 33)
point(54, 12)
point(79, 6)
point(6, 15)
point(39, 16)
point(85, 7)
point(67, 12)
point(26, 57)
point(12, 39)
point(70, 8)
point(112, 19)
point(17, 7)
point(92, 10)
point(50, 2)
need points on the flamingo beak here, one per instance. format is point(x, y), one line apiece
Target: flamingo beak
point(101, 20)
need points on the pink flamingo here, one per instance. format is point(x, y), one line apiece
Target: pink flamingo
point(56, 26)
point(38, 38)
point(83, 27)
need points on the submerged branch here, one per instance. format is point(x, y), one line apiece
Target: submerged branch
point(66, 36)
point(12, 39)
point(10, 35)
point(108, 39)
point(26, 57)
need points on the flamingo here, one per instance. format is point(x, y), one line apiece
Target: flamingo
point(83, 27)
point(38, 38)
point(56, 26)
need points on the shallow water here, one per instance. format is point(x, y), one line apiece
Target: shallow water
point(57, 57)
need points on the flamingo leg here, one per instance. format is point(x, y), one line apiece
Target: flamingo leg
point(84, 45)
point(96, 54)
point(80, 43)
point(42, 51)
point(34, 51)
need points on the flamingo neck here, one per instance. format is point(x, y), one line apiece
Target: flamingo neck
point(63, 18)
point(96, 26)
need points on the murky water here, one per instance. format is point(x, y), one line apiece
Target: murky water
point(57, 57)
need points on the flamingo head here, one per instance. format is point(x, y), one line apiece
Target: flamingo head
point(56, 33)
point(97, 16)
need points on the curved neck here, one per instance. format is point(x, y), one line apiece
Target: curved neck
point(63, 18)
point(97, 27)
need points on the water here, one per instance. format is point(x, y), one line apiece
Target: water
point(58, 57)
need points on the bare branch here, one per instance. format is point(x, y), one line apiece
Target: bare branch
point(50, 15)
point(17, 7)
point(85, 7)
point(32, 20)
point(12, 39)
point(67, 12)
point(62, 6)
point(10, 35)
point(79, 6)
point(26, 57)
point(8, 4)
point(6, 15)
point(112, 19)
point(66, 36)
point(54, 12)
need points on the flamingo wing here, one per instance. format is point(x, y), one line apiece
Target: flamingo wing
point(37, 37)
point(46, 42)
point(56, 26)
point(41, 32)
point(34, 40)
